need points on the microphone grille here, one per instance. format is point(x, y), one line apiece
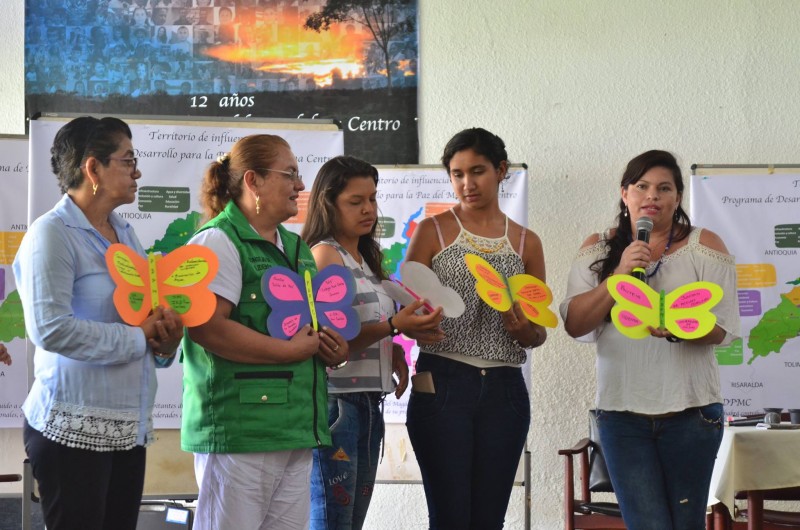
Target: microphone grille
point(644, 223)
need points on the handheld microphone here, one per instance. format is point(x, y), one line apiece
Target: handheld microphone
point(643, 228)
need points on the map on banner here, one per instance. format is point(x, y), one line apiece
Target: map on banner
point(13, 224)
point(756, 216)
point(777, 326)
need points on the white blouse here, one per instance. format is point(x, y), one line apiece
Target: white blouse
point(651, 375)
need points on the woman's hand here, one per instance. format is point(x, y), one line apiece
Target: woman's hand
point(424, 328)
point(635, 255)
point(167, 328)
point(5, 358)
point(333, 349)
point(400, 369)
point(525, 332)
point(713, 337)
point(306, 343)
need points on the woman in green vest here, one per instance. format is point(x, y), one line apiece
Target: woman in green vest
point(254, 406)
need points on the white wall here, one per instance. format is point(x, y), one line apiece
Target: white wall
point(576, 88)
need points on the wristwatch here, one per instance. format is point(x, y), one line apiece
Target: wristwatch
point(393, 331)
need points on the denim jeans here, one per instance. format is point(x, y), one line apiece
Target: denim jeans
point(468, 438)
point(343, 475)
point(661, 467)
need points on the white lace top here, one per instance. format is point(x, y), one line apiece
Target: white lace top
point(653, 376)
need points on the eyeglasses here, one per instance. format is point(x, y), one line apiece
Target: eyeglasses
point(293, 175)
point(130, 163)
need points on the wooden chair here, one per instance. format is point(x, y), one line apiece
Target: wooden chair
point(757, 518)
point(581, 512)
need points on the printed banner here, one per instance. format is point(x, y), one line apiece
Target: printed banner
point(757, 218)
point(173, 158)
point(13, 224)
point(355, 62)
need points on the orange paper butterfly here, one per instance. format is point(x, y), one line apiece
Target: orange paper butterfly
point(178, 280)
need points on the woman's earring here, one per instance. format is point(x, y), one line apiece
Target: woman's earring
point(625, 213)
point(258, 204)
point(502, 189)
point(676, 216)
point(94, 188)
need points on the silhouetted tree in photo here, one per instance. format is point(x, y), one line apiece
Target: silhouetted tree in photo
point(386, 19)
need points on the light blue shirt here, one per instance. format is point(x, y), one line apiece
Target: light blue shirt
point(95, 375)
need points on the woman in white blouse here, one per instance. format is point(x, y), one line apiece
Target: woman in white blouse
point(659, 407)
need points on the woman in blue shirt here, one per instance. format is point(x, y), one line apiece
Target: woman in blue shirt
point(89, 412)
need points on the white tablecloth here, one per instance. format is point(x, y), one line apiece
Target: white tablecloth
point(754, 459)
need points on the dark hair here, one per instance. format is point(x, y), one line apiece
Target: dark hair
point(78, 140)
point(321, 224)
point(479, 140)
point(222, 181)
point(623, 235)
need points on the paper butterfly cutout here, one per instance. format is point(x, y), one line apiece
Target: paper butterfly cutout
point(685, 312)
point(325, 300)
point(499, 292)
point(421, 282)
point(178, 280)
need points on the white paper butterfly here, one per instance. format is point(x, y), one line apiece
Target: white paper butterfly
point(420, 282)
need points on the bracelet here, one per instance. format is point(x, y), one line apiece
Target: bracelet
point(393, 331)
point(163, 355)
point(536, 342)
point(674, 339)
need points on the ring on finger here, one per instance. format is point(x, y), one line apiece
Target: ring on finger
point(336, 348)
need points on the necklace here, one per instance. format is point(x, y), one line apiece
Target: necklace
point(483, 244)
point(666, 248)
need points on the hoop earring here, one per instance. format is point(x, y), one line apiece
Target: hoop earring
point(258, 204)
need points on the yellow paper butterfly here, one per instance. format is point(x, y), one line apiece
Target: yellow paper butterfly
point(684, 312)
point(178, 280)
point(500, 292)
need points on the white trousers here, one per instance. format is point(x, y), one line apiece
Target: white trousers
point(253, 491)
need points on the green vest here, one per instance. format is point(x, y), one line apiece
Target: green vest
point(231, 407)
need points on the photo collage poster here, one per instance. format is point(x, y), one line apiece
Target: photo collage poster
point(354, 62)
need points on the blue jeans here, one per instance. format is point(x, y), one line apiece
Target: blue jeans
point(468, 438)
point(343, 475)
point(661, 467)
